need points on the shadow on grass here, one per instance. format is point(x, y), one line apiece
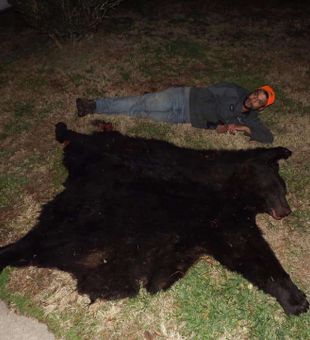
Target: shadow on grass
point(138, 212)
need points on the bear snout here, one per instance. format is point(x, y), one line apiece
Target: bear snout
point(280, 212)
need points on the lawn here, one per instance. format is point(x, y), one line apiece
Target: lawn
point(148, 48)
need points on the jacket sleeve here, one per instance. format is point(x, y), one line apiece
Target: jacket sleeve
point(259, 132)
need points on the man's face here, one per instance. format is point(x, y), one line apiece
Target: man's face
point(255, 100)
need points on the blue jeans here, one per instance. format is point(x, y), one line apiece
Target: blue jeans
point(170, 105)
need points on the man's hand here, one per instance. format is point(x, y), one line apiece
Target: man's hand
point(243, 128)
point(232, 128)
point(221, 128)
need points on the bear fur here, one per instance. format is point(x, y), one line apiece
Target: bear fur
point(141, 212)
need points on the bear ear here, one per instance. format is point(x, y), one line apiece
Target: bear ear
point(60, 132)
point(274, 154)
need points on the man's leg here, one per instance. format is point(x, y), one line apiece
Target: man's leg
point(168, 105)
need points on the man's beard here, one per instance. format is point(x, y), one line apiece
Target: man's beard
point(249, 107)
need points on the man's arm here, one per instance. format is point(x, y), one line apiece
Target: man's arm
point(255, 129)
point(259, 132)
point(232, 128)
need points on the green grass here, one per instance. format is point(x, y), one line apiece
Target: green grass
point(14, 127)
point(147, 129)
point(27, 307)
point(216, 303)
point(30, 164)
point(171, 58)
point(188, 49)
point(59, 171)
point(125, 75)
point(300, 218)
point(6, 154)
point(196, 142)
point(226, 68)
point(213, 302)
point(25, 48)
point(93, 92)
point(77, 78)
point(20, 120)
point(10, 186)
point(35, 83)
point(23, 303)
point(297, 179)
point(289, 106)
point(23, 116)
point(23, 109)
point(45, 111)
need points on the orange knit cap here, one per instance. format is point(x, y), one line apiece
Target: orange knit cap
point(271, 94)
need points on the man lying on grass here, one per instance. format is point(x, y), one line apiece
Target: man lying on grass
point(225, 107)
